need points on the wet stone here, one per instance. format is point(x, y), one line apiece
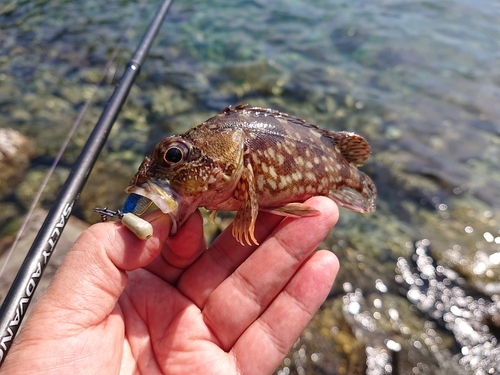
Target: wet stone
point(15, 153)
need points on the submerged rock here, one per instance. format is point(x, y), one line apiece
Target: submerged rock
point(27, 189)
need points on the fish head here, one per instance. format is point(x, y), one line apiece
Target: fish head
point(186, 171)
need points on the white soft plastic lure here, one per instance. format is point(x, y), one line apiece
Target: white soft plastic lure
point(134, 205)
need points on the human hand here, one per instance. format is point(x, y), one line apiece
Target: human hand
point(169, 305)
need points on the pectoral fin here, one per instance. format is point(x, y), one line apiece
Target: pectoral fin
point(244, 222)
point(295, 210)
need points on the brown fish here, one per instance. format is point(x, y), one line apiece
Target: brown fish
point(250, 159)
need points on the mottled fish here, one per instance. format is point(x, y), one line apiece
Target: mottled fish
point(250, 159)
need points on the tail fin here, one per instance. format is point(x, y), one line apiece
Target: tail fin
point(360, 200)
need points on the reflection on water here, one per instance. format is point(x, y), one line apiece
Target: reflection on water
point(441, 293)
point(420, 80)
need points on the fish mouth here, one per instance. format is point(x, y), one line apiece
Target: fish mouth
point(160, 194)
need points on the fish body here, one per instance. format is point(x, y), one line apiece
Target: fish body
point(249, 159)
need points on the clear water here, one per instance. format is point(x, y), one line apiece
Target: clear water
point(419, 79)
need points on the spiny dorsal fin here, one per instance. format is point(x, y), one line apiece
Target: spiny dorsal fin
point(353, 147)
point(230, 108)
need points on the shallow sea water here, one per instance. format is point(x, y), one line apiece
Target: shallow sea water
point(419, 79)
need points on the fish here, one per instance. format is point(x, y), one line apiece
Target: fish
point(251, 159)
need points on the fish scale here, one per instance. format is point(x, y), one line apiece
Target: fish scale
point(247, 159)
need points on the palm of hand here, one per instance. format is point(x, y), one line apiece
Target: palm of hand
point(230, 309)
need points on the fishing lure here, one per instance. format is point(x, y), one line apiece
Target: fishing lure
point(133, 206)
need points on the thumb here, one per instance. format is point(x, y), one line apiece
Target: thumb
point(93, 275)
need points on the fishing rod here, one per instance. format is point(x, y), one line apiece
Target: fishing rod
point(23, 288)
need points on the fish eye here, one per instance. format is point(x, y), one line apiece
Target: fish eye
point(174, 154)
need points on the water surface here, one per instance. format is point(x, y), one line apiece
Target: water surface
point(420, 80)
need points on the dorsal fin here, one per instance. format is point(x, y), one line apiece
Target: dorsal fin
point(353, 147)
point(230, 108)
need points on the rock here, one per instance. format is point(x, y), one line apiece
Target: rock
point(15, 153)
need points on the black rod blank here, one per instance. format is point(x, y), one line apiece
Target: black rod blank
point(22, 289)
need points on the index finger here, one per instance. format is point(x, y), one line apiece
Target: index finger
point(223, 257)
point(180, 251)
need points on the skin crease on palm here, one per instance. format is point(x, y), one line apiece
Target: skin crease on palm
point(119, 305)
